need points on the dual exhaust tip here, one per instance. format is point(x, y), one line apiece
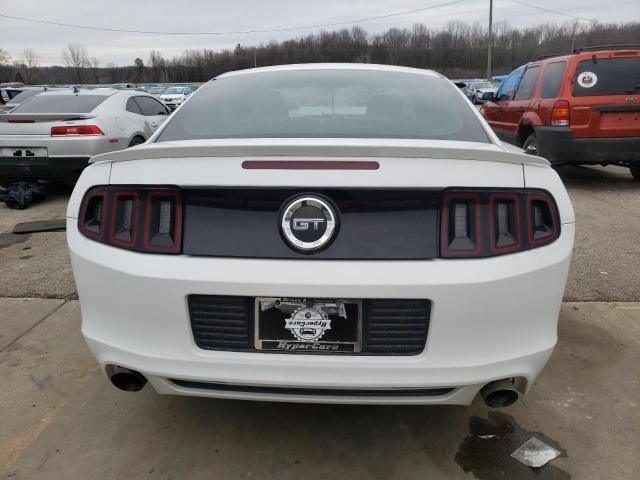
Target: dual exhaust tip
point(501, 393)
point(126, 379)
point(498, 394)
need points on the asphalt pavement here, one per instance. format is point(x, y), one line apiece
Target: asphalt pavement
point(62, 420)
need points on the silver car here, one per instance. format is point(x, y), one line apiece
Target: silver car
point(53, 135)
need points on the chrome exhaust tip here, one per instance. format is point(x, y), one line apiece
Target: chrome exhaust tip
point(500, 394)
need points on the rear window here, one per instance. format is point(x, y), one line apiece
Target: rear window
point(327, 104)
point(22, 96)
point(60, 104)
point(608, 76)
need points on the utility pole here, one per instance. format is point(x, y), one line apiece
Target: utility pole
point(490, 40)
point(255, 57)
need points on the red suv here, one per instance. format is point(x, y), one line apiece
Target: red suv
point(582, 108)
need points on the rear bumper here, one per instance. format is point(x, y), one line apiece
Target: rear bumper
point(491, 319)
point(42, 167)
point(558, 145)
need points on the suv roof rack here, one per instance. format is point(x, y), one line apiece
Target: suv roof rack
point(607, 47)
point(552, 55)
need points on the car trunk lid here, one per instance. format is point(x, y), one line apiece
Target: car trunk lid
point(39, 123)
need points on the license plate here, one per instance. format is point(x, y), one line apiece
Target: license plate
point(308, 325)
point(23, 152)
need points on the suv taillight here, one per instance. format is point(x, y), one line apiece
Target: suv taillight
point(144, 219)
point(560, 114)
point(76, 131)
point(482, 223)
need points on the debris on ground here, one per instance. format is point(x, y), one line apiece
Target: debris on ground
point(21, 195)
point(535, 453)
point(54, 225)
point(487, 452)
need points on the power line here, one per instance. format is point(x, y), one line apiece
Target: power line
point(240, 32)
point(548, 10)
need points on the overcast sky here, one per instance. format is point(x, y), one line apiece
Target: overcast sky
point(217, 15)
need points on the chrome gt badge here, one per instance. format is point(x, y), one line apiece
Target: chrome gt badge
point(308, 223)
point(308, 324)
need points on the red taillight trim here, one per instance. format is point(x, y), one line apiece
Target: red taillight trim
point(560, 114)
point(80, 131)
point(554, 220)
point(492, 224)
point(83, 212)
point(444, 228)
point(134, 220)
point(309, 165)
point(146, 242)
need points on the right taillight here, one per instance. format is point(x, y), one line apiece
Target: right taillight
point(144, 219)
point(481, 223)
point(560, 114)
point(76, 131)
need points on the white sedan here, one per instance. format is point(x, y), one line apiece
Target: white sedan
point(173, 97)
point(322, 233)
point(53, 135)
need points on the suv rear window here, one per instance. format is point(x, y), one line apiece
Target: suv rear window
point(327, 104)
point(609, 76)
point(60, 104)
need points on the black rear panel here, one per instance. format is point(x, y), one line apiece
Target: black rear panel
point(222, 323)
point(395, 326)
point(374, 224)
point(390, 326)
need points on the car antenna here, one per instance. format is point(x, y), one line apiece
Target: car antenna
point(594, 59)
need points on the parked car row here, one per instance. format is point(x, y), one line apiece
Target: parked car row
point(53, 134)
point(582, 108)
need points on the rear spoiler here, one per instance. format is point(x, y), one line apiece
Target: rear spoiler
point(43, 117)
point(323, 148)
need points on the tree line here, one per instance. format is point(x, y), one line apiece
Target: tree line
point(457, 50)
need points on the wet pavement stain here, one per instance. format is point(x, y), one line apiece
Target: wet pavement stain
point(486, 450)
point(8, 239)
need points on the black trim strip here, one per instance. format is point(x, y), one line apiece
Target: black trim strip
point(617, 108)
point(328, 392)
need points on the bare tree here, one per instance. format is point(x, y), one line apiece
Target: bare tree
point(4, 56)
point(113, 73)
point(456, 49)
point(139, 64)
point(76, 57)
point(94, 63)
point(29, 62)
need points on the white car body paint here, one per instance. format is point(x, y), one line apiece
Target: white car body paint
point(492, 318)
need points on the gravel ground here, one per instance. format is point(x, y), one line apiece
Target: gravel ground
point(606, 261)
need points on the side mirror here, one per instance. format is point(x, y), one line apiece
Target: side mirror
point(489, 97)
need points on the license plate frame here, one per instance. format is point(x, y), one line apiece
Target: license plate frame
point(282, 340)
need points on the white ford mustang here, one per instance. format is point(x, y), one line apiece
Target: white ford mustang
point(322, 233)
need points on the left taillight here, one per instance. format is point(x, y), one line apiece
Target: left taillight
point(560, 114)
point(141, 219)
point(486, 223)
point(76, 131)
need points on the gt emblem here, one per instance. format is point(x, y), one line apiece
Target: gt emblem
point(303, 223)
point(308, 222)
point(631, 99)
